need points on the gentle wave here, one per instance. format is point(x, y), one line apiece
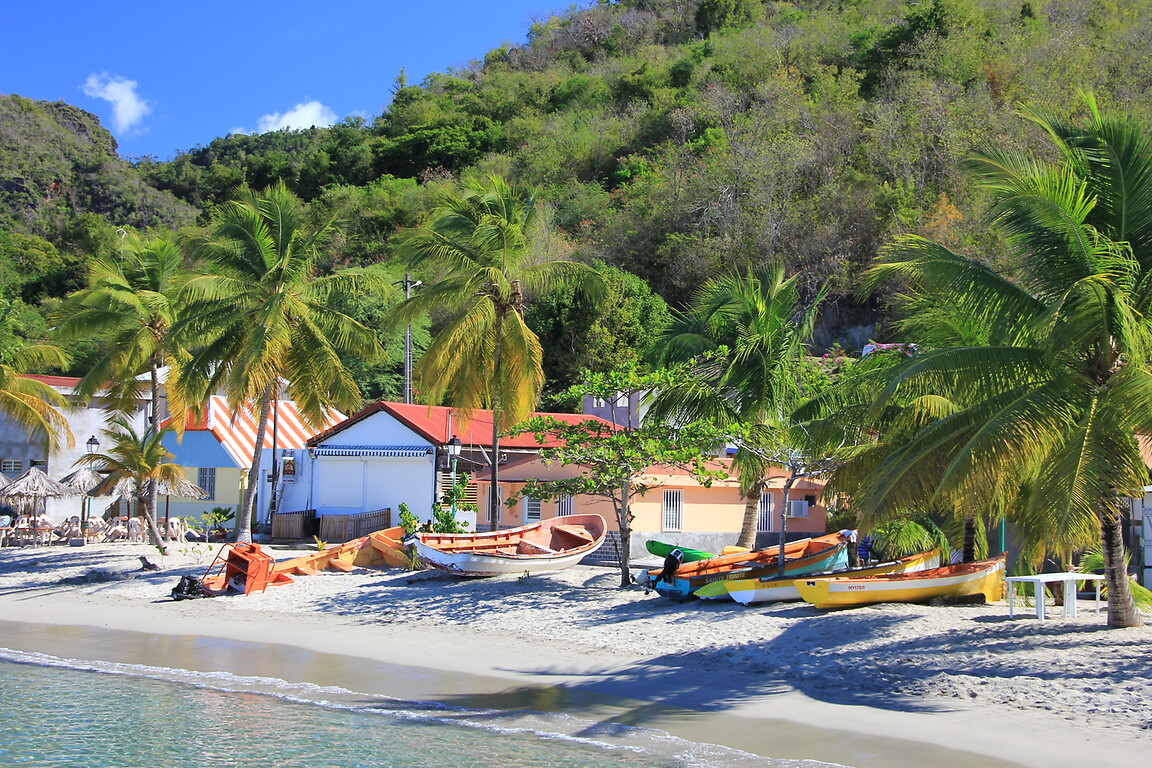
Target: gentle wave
point(558, 727)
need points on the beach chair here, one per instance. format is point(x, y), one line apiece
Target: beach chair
point(117, 529)
point(136, 530)
point(97, 527)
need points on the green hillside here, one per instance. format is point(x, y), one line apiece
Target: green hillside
point(672, 138)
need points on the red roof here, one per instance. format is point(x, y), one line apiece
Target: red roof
point(54, 381)
point(438, 424)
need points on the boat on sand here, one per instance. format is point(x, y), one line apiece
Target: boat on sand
point(984, 577)
point(748, 591)
point(547, 545)
point(823, 553)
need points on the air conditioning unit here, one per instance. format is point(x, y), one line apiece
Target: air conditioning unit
point(798, 508)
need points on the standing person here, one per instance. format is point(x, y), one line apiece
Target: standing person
point(864, 550)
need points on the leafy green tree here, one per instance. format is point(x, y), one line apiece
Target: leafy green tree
point(483, 238)
point(579, 335)
point(258, 321)
point(1054, 402)
point(744, 340)
point(613, 462)
point(143, 460)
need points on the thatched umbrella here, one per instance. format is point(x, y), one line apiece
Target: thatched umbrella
point(29, 491)
point(86, 480)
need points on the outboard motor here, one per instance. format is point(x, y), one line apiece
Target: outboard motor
point(672, 564)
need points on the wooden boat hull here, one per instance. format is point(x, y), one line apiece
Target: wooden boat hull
point(548, 545)
point(748, 591)
point(825, 553)
point(985, 577)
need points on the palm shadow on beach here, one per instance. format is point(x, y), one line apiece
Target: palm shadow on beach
point(853, 657)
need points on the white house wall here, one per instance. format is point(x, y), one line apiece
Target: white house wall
point(351, 484)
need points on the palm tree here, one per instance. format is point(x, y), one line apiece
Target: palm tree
point(259, 319)
point(132, 302)
point(483, 240)
point(745, 339)
point(32, 404)
point(1053, 404)
point(143, 460)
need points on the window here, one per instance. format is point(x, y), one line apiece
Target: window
point(673, 517)
point(531, 509)
point(764, 513)
point(564, 505)
point(206, 479)
point(11, 465)
point(42, 463)
point(797, 508)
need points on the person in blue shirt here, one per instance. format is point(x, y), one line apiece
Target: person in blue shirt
point(864, 550)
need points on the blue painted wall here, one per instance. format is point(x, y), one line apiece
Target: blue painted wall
point(199, 449)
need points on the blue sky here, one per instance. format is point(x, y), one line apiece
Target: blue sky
point(168, 75)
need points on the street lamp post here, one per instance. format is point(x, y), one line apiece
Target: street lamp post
point(92, 445)
point(454, 446)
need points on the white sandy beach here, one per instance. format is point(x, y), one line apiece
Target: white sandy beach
point(890, 680)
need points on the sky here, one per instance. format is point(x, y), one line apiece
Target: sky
point(169, 75)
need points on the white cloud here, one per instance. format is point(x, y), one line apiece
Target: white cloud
point(128, 109)
point(306, 115)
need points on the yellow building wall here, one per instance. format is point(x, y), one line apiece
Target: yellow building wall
point(706, 510)
point(228, 494)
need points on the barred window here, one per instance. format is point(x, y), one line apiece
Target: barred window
point(207, 481)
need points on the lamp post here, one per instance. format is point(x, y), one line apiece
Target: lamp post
point(92, 445)
point(454, 446)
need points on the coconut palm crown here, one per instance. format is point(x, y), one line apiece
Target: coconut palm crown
point(483, 241)
point(1052, 403)
point(258, 319)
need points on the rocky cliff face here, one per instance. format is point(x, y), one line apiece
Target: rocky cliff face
point(57, 162)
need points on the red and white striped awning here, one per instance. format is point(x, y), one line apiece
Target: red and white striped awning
point(236, 431)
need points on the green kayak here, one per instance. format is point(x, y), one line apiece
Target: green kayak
point(660, 549)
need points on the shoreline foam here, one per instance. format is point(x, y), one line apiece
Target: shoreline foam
point(885, 682)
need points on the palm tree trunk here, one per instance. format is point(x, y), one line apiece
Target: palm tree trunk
point(747, 538)
point(969, 539)
point(244, 519)
point(624, 523)
point(1121, 608)
point(150, 487)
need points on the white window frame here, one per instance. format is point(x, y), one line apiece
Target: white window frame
point(531, 507)
point(564, 505)
point(11, 465)
point(206, 477)
point(798, 508)
point(764, 513)
point(672, 511)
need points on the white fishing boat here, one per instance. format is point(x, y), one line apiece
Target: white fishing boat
point(549, 545)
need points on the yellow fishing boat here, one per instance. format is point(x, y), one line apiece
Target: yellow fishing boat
point(749, 591)
point(985, 577)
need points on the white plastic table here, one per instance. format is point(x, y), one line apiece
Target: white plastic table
point(1039, 580)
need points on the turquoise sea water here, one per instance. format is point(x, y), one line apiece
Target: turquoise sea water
point(61, 712)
